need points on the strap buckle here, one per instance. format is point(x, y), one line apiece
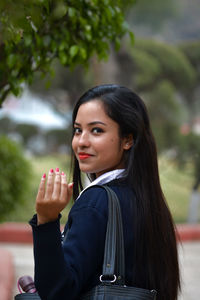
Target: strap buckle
point(108, 280)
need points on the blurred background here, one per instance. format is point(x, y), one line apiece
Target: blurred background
point(160, 61)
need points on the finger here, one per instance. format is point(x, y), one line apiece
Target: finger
point(57, 185)
point(49, 186)
point(41, 189)
point(70, 190)
point(64, 186)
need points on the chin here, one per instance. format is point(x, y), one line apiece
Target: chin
point(86, 170)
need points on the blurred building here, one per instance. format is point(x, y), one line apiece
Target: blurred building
point(33, 110)
point(35, 124)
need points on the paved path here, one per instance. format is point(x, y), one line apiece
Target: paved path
point(189, 254)
point(23, 260)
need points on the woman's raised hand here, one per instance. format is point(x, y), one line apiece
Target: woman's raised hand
point(52, 196)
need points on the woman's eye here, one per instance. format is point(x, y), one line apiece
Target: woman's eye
point(77, 130)
point(97, 130)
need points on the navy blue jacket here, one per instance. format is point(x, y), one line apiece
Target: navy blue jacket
point(64, 271)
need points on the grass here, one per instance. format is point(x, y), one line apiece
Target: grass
point(176, 186)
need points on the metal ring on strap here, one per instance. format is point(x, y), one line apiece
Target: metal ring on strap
point(113, 280)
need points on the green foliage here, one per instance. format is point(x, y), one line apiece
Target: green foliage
point(14, 177)
point(35, 32)
point(147, 69)
point(162, 73)
point(174, 65)
point(164, 110)
point(192, 52)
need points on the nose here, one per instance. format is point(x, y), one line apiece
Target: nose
point(84, 140)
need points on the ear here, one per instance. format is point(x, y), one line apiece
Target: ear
point(128, 142)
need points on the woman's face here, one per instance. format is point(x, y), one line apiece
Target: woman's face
point(96, 142)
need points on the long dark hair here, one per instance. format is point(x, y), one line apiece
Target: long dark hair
point(154, 228)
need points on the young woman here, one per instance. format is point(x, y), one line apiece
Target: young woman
point(113, 144)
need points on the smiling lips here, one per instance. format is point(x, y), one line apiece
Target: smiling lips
point(83, 155)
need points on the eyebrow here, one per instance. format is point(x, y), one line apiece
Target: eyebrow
point(91, 123)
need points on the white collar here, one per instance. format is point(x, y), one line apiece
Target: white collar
point(104, 178)
point(108, 176)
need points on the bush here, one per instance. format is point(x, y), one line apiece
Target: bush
point(14, 176)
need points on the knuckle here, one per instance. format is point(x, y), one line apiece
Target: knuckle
point(57, 182)
point(64, 184)
point(41, 189)
point(62, 199)
point(54, 198)
point(49, 184)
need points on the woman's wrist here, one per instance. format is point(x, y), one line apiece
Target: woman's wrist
point(43, 220)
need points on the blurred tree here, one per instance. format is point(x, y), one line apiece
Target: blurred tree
point(192, 51)
point(172, 63)
point(162, 74)
point(165, 112)
point(6, 125)
point(55, 138)
point(151, 61)
point(27, 131)
point(34, 33)
point(168, 20)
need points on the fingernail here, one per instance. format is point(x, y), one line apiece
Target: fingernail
point(62, 173)
point(71, 185)
point(57, 169)
point(51, 170)
point(44, 175)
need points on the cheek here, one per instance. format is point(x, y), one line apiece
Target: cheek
point(74, 144)
point(110, 148)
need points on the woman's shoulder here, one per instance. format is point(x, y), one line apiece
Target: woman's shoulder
point(121, 188)
point(94, 197)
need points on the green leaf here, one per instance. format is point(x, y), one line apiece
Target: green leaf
point(83, 53)
point(73, 50)
point(27, 39)
point(132, 37)
point(63, 57)
point(117, 44)
point(71, 12)
point(11, 60)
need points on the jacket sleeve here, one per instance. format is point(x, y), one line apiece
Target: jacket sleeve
point(63, 271)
